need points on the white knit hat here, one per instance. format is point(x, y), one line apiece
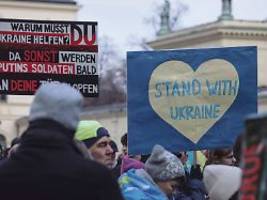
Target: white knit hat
point(59, 102)
point(221, 181)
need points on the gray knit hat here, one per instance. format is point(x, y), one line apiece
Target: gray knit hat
point(163, 165)
point(59, 102)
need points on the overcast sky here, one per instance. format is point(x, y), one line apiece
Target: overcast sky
point(122, 19)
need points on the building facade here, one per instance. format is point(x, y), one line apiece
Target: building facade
point(15, 109)
point(225, 32)
point(222, 33)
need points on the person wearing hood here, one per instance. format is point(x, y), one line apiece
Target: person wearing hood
point(47, 164)
point(157, 181)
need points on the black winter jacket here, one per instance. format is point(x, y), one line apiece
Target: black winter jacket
point(48, 166)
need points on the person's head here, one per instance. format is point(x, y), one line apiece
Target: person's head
point(221, 156)
point(165, 169)
point(97, 140)
point(124, 142)
point(58, 102)
point(222, 181)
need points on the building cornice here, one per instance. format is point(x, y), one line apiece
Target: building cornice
point(215, 30)
point(48, 1)
point(40, 5)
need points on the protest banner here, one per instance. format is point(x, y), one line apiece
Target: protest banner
point(34, 52)
point(189, 99)
point(254, 159)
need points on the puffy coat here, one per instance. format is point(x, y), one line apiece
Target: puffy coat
point(136, 184)
point(48, 166)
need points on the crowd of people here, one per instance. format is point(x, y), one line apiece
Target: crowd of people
point(60, 156)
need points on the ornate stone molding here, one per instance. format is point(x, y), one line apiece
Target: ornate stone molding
point(210, 31)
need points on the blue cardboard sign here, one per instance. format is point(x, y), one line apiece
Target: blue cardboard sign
point(189, 99)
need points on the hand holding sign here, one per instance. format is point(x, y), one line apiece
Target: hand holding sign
point(191, 101)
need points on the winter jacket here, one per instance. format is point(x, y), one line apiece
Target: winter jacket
point(195, 190)
point(136, 184)
point(48, 166)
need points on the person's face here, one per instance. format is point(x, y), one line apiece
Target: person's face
point(102, 152)
point(168, 187)
point(229, 159)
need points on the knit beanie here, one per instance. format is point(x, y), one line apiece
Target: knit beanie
point(90, 132)
point(221, 181)
point(163, 165)
point(59, 102)
point(130, 163)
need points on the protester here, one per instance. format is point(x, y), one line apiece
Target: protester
point(193, 187)
point(222, 182)
point(130, 163)
point(221, 156)
point(47, 164)
point(124, 142)
point(127, 162)
point(237, 149)
point(163, 171)
point(183, 156)
point(97, 140)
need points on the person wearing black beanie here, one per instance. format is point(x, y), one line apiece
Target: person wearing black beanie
point(97, 140)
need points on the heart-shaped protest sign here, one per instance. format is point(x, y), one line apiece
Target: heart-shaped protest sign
point(193, 101)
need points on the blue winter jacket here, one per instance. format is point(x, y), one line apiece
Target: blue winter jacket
point(136, 184)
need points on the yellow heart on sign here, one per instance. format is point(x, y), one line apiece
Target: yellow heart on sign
point(193, 101)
